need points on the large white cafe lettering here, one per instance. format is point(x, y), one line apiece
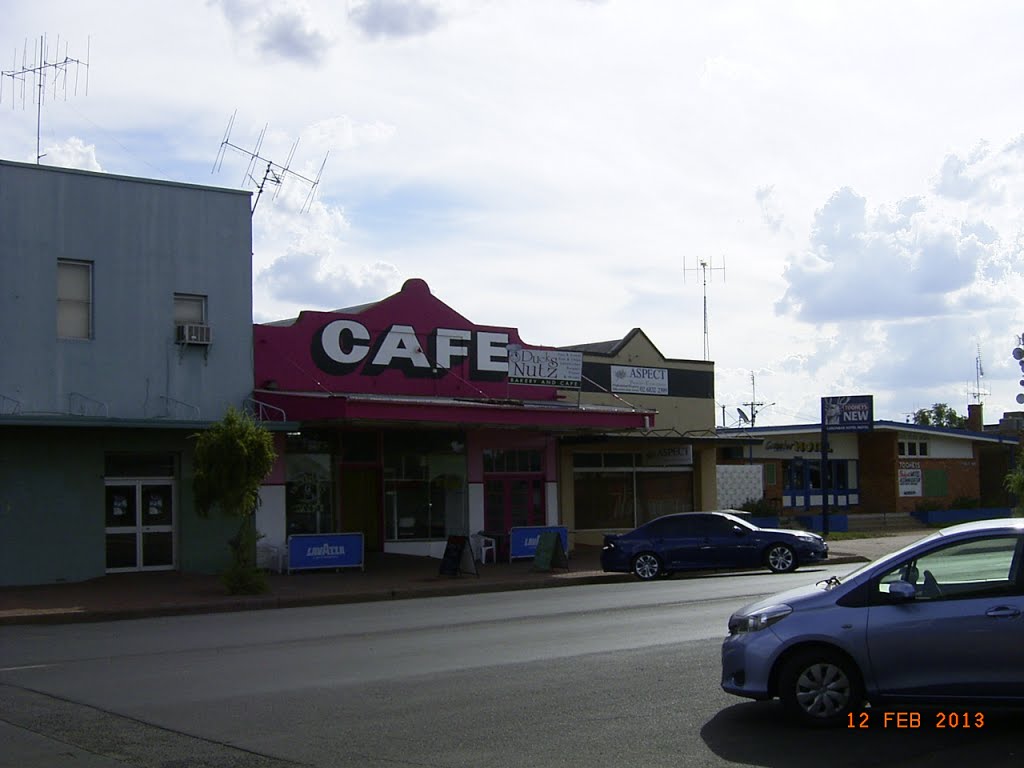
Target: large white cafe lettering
point(342, 346)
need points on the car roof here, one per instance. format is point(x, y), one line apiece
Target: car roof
point(1008, 524)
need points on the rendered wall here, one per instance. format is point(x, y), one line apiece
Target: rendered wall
point(52, 503)
point(146, 240)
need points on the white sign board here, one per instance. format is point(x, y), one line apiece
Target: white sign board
point(911, 479)
point(550, 367)
point(629, 379)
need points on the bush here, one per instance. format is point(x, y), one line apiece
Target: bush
point(760, 507)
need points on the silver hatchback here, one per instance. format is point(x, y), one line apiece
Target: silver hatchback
point(940, 622)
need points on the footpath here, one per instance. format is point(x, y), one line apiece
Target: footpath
point(385, 577)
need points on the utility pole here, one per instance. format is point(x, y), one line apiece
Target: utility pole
point(754, 403)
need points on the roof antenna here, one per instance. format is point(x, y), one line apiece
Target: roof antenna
point(274, 173)
point(705, 266)
point(32, 77)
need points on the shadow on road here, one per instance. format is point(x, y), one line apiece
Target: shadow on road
point(758, 733)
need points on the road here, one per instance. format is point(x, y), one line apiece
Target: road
point(601, 675)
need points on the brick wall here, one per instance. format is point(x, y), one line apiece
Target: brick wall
point(878, 464)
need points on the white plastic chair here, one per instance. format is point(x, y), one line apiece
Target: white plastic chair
point(483, 545)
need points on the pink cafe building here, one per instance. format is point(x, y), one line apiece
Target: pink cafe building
point(408, 424)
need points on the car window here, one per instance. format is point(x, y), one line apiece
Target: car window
point(969, 569)
point(716, 526)
point(671, 527)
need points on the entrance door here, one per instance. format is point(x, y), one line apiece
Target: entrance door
point(513, 501)
point(140, 525)
point(360, 504)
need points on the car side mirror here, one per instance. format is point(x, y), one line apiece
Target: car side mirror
point(739, 530)
point(903, 591)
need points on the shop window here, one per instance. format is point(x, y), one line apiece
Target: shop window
point(660, 494)
point(74, 299)
point(604, 500)
point(424, 495)
point(608, 460)
point(308, 507)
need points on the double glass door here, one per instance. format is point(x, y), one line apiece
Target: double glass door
point(140, 525)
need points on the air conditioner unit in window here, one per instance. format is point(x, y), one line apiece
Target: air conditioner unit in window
point(193, 333)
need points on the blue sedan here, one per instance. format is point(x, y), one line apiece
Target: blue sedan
point(940, 622)
point(707, 540)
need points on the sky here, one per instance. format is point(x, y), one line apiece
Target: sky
point(821, 197)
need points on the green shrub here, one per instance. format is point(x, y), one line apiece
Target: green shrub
point(762, 507)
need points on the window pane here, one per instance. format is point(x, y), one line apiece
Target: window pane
point(604, 500)
point(189, 308)
point(74, 299)
point(73, 280)
point(663, 494)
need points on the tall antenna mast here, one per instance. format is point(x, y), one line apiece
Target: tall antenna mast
point(32, 77)
point(977, 393)
point(274, 173)
point(705, 266)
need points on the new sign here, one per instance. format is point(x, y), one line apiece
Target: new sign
point(853, 413)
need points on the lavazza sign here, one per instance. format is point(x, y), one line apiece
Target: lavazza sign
point(344, 346)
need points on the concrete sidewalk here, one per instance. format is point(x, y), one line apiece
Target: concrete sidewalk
point(386, 577)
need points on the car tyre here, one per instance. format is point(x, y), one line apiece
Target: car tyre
point(820, 687)
point(781, 558)
point(647, 566)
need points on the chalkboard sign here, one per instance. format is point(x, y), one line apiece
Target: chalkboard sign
point(550, 553)
point(458, 557)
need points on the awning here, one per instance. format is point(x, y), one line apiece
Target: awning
point(460, 412)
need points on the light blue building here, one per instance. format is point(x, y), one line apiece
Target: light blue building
point(126, 320)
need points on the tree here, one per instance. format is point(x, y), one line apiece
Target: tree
point(940, 415)
point(232, 458)
point(1014, 483)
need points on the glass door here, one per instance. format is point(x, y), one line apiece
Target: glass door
point(139, 520)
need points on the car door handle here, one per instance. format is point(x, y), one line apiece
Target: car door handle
point(1003, 612)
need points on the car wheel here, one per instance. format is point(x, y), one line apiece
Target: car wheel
point(646, 566)
point(820, 687)
point(781, 558)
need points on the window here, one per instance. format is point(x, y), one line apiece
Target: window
point(912, 447)
point(512, 460)
point(74, 299)
point(971, 569)
point(189, 308)
point(616, 490)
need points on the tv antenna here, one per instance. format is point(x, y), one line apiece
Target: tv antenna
point(979, 373)
point(705, 266)
point(273, 173)
point(34, 76)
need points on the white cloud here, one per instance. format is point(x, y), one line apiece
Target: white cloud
point(857, 169)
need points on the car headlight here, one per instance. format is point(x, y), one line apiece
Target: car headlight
point(759, 620)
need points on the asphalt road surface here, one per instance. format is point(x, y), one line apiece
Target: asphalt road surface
point(604, 675)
